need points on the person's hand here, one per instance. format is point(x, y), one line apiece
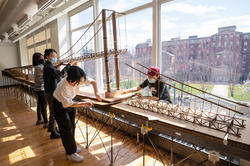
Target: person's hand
point(154, 98)
point(124, 92)
point(98, 97)
point(73, 63)
point(138, 94)
point(89, 104)
point(59, 64)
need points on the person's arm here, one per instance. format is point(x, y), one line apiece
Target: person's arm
point(93, 83)
point(82, 104)
point(53, 72)
point(152, 98)
point(141, 86)
point(60, 64)
point(132, 90)
point(57, 73)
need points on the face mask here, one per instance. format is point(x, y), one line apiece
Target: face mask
point(53, 60)
point(151, 81)
point(41, 61)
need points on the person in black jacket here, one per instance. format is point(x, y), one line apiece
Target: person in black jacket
point(158, 89)
point(52, 76)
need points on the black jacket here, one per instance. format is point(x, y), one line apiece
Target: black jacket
point(158, 89)
point(52, 76)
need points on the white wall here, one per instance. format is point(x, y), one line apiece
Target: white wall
point(9, 57)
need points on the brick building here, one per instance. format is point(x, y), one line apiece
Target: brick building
point(222, 57)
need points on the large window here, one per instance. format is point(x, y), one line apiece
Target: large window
point(38, 42)
point(201, 41)
point(136, 38)
point(84, 44)
point(82, 18)
point(138, 41)
point(83, 49)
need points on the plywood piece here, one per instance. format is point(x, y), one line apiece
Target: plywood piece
point(88, 93)
point(113, 93)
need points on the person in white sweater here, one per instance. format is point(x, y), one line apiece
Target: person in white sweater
point(64, 105)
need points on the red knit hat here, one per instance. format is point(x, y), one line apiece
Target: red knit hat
point(153, 71)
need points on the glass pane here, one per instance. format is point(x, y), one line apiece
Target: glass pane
point(78, 50)
point(82, 18)
point(121, 5)
point(138, 42)
point(81, 47)
point(41, 48)
point(89, 68)
point(48, 33)
point(40, 37)
point(30, 41)
point(203, 43)
point(30, 54)
point(49, 45)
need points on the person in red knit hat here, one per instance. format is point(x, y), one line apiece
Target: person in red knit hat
point(158, 89)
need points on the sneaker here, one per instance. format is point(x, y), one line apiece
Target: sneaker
point(75, 157)
point(38, 122)
point(54, 135)
point(78, 149)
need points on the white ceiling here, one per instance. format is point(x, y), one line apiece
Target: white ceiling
point(17, 15)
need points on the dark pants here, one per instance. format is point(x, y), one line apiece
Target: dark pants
point(52, 122)
point(65, 118)
point(41, 106)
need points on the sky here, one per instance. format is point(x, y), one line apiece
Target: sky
point(179, 18)
point(183, 18)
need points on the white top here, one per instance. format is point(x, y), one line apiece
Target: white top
point(38, 77)
point(65, 92)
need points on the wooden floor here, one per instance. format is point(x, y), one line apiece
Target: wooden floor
point(24, 143)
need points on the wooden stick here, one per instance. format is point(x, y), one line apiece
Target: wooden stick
point(105, 47)
point(116, 54)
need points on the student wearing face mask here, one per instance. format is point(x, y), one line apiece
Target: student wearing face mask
point(158, 89)
point(38, 63)
point(64, 112)
point(52, 76)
